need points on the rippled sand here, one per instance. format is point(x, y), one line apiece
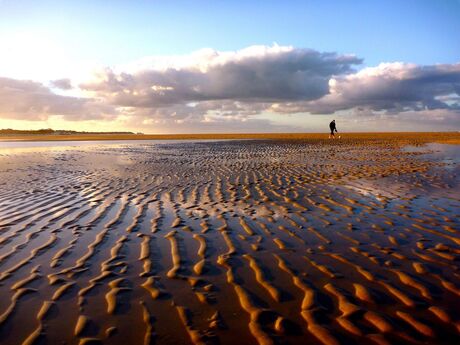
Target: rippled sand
point(231, 242)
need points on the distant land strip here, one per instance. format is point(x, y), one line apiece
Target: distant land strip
point(49, 131)
point(64, 135)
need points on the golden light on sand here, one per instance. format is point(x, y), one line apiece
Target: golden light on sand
point(297, 238)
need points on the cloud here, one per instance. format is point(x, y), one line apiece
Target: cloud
point(225, 88)
point(274, 79)
point(207, 124)
point(393, 88)
point(255, 74)
point(422, 120)
point(63, 84)
point(30, 100)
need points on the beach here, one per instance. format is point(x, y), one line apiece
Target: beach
point(230, 239)
point(424, 137)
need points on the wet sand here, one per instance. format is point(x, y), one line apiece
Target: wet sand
point(305, 241)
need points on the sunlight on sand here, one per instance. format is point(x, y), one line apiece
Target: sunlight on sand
point(233, 242)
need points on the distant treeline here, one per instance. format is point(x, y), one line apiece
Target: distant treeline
point(49, 131)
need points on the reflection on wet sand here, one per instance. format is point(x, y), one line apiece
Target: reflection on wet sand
point(230, 242)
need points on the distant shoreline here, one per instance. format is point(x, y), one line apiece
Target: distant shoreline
point(442, 137)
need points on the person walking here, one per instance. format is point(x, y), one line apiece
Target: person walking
point(332, 128)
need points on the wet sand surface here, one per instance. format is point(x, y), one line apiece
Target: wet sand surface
point(231, 242)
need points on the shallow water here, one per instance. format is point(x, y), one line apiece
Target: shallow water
point(55, 146)
point(229, 242)
point(446, 153)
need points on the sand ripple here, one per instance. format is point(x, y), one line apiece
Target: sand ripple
point(233, 242)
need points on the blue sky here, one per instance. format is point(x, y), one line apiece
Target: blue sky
point(419, 31)
point(45, 40)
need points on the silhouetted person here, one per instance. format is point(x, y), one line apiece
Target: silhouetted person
point(332, 128)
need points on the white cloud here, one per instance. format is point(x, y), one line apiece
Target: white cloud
point(393, 87)
point(222, 88)
point(255, 74)
point(30, 100)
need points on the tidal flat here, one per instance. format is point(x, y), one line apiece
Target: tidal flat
point(280, 241)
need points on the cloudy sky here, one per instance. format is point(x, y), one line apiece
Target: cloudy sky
point(230, 66)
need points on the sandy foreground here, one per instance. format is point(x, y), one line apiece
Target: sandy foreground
point(282, 241)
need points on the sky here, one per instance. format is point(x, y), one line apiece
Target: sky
point(230, 66)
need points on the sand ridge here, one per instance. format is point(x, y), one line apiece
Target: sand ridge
point(267, 241)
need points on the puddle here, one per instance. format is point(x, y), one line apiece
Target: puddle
point(446, 153)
